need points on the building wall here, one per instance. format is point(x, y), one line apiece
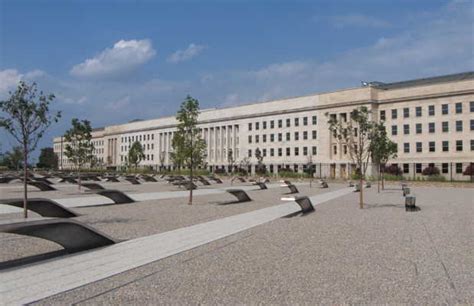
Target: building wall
point(245, 128)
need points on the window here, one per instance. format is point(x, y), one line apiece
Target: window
point(444, 167)
point(297, 136)
point(382, 115)
point(394, 130)
point(406, 129)
point(264, 125)
point(406, 168)
point(431, 146)
point(315, 120)
point(471, 106)
point(288, 136)
point(314, 134)
point(288, 122)
point(418, 111)
point(305, 135)
point(459, 126)
point(280, 136)
point(272, 124)
point(280, 152)
point(250, 153)
point(445, 126)
point(264, 137)
point(250, 126)
point(250, 138)
point(272, 152)
point(344, 149)
point(406, 147)
point(314, 150)
point(335, 150)
point(431, 127)
point(472, 124)
point(343, 117)
point(257, 125)
point(297, 121)
point(458, 168)
point(431, 110)
point(406, 112)
point(418, 128)
point(264, 152)
point(459, 108)
point(297, 151)
point(394, 114)
point(445, 146)
point(418, 168)
point(472, 144)
point(419, 147)
point(272, 137)
point(280, 123)
point(458, 145)
point(444, 109)
point(305, 120)
point(288, 151)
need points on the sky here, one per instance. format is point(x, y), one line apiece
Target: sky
point(114, 61)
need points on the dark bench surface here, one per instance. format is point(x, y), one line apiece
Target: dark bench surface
point(115, 195)
point(41, 186)
point(72, 235)
point(241, 195)
point(93, 186)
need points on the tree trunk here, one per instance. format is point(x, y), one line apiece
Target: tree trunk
point(25, 177)
point(383, 183)
point(378, 180)
point(191, 186)
point(361, 194)
point(79, 178)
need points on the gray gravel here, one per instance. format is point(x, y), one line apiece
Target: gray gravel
point(339, 254)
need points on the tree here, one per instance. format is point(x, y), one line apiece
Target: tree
point(310, 167)
point(355, 133)
point(47, 159)
point(382, 149)
point(230, 160)
point(260, 166)
point(26, 117)
point(162, 160)
point(135, 154)
point(188, 146)
point(14, 159)
point(79, 147)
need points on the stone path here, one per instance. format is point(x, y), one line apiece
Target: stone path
point(37, 281)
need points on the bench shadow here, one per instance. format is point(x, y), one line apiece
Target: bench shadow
point(370, 206)
point(30, 259)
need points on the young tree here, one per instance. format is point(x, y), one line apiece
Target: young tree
point(187, 142)
point(135, 154)
point(355, 133)
point(382, 149)
point(47, 159)
point(79, 146)
point(260, 166)
point(26, 117)
point(14, 158)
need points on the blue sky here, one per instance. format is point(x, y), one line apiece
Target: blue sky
point(114, 61)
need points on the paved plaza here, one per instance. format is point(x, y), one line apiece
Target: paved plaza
point(249, 253)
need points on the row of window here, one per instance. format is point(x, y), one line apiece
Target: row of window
point(148, 157)
point(432, 127)
point(444, 168)
point(279, 151)
point(145, 147)
point(432, 146)
point(296, 121)
point(296, 136)
point(143, 137)
point(458, 107)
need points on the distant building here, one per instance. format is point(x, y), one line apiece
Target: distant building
point(431, 120)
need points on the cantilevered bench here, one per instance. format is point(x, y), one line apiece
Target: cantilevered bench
point(93, 186)
point(132, 180)
point(72, 235)
point(43, 207)
point(44, 180)
point(261, 185)
point(305, 203)
point(241, 196)
point(323, 184)
point(115, 195)
point(186, 184)
point(6, 180)
point(41, 185)
point(70, 180)
point(241, 179)
point(216, 179)
point(204, 181)
point(112, 179)
point(148, 178)
point(290, 186)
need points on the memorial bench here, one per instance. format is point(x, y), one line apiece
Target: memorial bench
point(132, 180)
point(261, 185)
point(42, 206)
point(115, 195)
point(241, 196)
point(72, 235)
point(93, 186)
point(41, 185)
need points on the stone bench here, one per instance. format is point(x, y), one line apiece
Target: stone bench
point(406, 191)
point(261, 185)
point(93, 186)
point(6, 180)
point(292, 188)
point(41, 186)
point(72, 235)
point(241, 195)
point(305, 203)
point(216, 179)
point(148, 178)
point(410, 203)
point(112, 179)
point(132, 180)
point(204, 181)
point(115, 195)
point(43, 207)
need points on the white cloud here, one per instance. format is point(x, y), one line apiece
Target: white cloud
point(191, 51)
point(354, 20)
point(119, 104)
point(9, 79)
point(124, 56)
